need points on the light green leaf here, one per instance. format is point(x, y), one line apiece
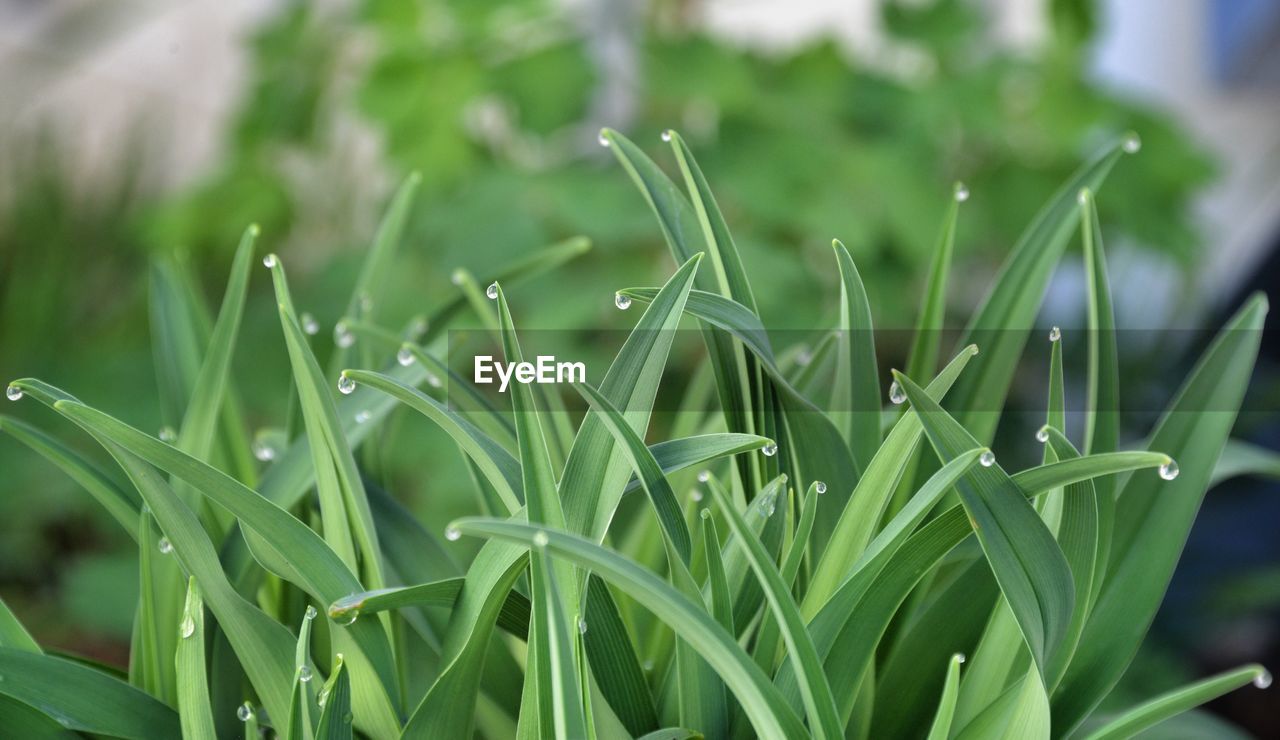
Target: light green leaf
point(193, 683)
point(1172, 703)
point(82, 699)
point(764, 706)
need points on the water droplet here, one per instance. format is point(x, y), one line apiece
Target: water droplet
point(188, 626)
point(346, 385)
point(540, 539)
point(322, 697)
point(666, 135)
point(13, 393)
point(418, 327)
point(1042, 436)
point(896, 394)
point(959, 657)
point(245, 712)
point(1263, 680)
point(1083, 196)
point(621, 301)
point(961, 192)
point(770, 448)
point(270, 261)
point(704, 476)
point(167, 435)
point(820, 487)
point(304, 673)
point(1055, 334)
point(705, 513)
point(366, 303)
point(769, 505)
point(351, 618)
point(647, 665)
point(603, 139)
point(1132, 144)
point(1169, 470)
point(433, 381)
point(310, 326)
point(457, 277)
point(804, 357)
point(342, 335)
point(987, 459)
point(452, 533)
point(310, 613)
point(165, 546)
point(696, 495)
point(582, 626)
point(362, 416)
point(492, 291)
point(263, 451)
point(405, 357)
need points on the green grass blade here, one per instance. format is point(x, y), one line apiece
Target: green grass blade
point(654, 482)
point(1238, 458)
point(381, 257)
point(814, 689)
point(335, 704)
point(767, 711)
point(513, 616)
point(922, 361)
point(299, 720)
point(566, 692)
point(1153, 711)
point(718, 595)
point(769, 634)
point(1002, 324)
point(1079, 535)
point(725, 260)
point(311, 564)
point(857, 388)
point(12, 634)
point(193, 683)
point(449, 705)
point(596, 470)
point(1153, 516)
point(200, 422)
point(815, 443)
point(154, 639)
point(344, 504)
point(499, 467)
point(1027, 562)
point(614, 663)
point(1042, 478)
point(83, 699)
point(263, 646)
point(677, 454)
point(941, 728)
point(540, 261)
point(684, 235)
point(121, 503)
point(862, 513)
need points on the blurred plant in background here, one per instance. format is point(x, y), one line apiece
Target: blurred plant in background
point(496, 105)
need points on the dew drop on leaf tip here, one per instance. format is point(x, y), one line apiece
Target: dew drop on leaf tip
point(896, 395)
point(987, 459)
point(13, 393)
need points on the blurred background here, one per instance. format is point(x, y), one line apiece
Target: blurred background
point(144, 132)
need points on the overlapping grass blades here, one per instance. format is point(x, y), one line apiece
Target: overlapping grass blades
point(821, 590)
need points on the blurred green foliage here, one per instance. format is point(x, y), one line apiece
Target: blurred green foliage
point(497, 105)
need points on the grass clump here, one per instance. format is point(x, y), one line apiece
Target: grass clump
point(829, 580)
